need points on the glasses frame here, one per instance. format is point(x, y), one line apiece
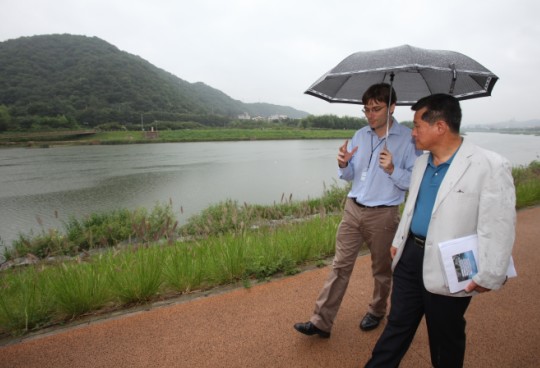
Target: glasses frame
point(375, 109)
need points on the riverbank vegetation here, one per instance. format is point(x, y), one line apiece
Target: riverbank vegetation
point(523, 130)
point(527, 182)
point(125, 258)
point(311, 127)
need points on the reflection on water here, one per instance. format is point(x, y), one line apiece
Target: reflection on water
point(56, 183)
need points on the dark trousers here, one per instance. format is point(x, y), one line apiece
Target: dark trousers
point(410, 301)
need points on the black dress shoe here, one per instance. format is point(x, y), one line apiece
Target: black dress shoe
point(369, 322)
point(309, 329)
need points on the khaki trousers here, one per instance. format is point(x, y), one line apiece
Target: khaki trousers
point(375, 227)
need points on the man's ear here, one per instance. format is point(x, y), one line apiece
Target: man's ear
point(442, 127)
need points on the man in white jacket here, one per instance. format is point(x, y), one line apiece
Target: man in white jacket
point(457, 189)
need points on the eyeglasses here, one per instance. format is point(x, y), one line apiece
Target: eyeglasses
point(375, 109)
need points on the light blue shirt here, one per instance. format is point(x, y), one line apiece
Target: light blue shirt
point(371, 186)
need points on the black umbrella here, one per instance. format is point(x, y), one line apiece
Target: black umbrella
point(413, 72)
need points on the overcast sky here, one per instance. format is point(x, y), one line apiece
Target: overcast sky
point(273, 50)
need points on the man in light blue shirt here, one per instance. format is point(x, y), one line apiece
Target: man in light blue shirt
point(380, 186)
point(379, 162)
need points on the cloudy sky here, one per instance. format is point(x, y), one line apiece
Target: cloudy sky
point(273, 50)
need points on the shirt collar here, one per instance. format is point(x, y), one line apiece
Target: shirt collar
point(393, 129)
point(447, 162)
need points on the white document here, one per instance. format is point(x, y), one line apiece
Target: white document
point(459, 257)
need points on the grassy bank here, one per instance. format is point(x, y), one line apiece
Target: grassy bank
point(41, 295)
point(527, 182)
point(147, 258)
point(126, 258)
point(185, 135)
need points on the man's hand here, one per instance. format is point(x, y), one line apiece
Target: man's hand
point(385, 161)
point(473, 286)
point(345, 156)
point(393, 252)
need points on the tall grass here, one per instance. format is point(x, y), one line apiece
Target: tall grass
point(527, 182)
point(184, 267)
point(103, 230)
point(34, 297)
point(230, 216)
point(24, 301)
point(77, 288)
point(99, 230)
point(135, 276)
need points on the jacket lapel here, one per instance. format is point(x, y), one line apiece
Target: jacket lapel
point(457, 168)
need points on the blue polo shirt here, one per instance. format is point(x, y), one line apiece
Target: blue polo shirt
point(433, 177)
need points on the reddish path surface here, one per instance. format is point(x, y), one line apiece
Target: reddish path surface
point(253, 327)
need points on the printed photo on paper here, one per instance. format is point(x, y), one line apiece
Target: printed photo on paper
point(465, 265)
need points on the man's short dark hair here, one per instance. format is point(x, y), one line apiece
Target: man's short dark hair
point(440, 106)
point(380, 93)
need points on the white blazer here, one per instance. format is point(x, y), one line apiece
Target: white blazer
point(477, 196)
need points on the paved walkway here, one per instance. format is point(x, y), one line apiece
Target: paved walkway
point(253, 327)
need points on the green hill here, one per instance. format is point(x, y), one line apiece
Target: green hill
point(86, 80)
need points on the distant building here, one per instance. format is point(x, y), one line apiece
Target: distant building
point(278, 117)
point(246, 116)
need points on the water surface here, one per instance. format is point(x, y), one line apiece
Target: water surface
point(40, 188)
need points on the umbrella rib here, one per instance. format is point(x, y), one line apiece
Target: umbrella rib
point(334, 99)
point(412, 67)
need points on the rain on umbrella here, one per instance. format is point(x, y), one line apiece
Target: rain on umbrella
point(413, 72)
point(417, 73)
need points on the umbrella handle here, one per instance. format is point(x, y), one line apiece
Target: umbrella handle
point(388, 111)
point(454, 77)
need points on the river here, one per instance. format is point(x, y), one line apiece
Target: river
point(40, 188)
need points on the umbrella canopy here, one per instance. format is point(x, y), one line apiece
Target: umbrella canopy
point(416, 73)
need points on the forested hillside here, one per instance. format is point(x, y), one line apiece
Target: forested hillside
point(63, 81)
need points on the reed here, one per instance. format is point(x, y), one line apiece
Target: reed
point(77, 289)
point(527, 182)
point(184, 267)
point(24, 301)
point(135, 275)
point(98, 230)
point(230, 216)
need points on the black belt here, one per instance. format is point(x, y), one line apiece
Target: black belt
point(364, 206)
point(418, 240)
